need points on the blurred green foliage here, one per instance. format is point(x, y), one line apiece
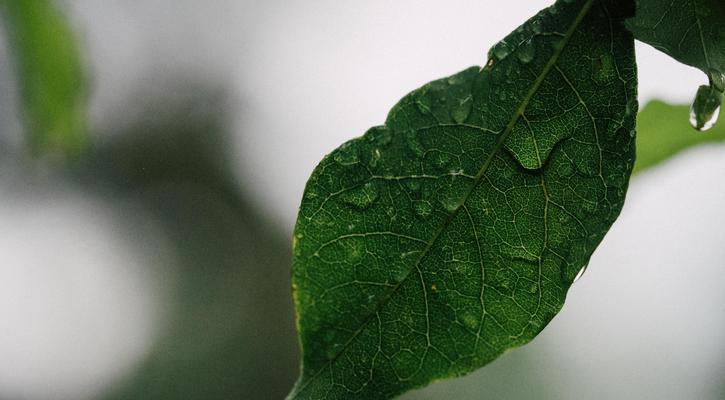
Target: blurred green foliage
point(50, 75)
point(231, 329)
point(663, 131)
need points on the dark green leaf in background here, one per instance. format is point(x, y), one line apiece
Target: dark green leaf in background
point(50, 76)
point(690, 31)
point(429, 246)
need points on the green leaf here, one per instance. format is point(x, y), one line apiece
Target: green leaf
point(430, 245)
point(663, 132)
point(50, 75)
point(690, 31)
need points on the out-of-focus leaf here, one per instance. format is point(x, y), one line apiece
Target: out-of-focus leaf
point(432, 244)
point(50, 76)
point(663, 131)
point(231, 264)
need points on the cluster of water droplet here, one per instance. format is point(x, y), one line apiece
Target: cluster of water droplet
point(706, 106)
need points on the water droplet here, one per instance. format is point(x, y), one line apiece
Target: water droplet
point(456, 79)
point(717, 79)
point(525, 53)
point(413, 185)
point(705, 108)
point(423, 107)
point(362, 197)
point(461, 112)
point(414, 145)
point(346, 154)
point(500, 50)
point(629, 107)
point(470, 321)
point(400, 274)
point(537, 26)
point(581, 273)
point(422, 208)
point(374, 157)
point(565, 169)
point(450, 204)
point(490, 62)
point(380, 135)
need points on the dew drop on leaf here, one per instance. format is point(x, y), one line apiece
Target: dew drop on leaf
point(413, 185)
point(450, 204)
point(470, 321)
point(705, 108)
point(537, 26)
point(500, 50)
point(422, 208)
point(422, 107)
point(374, 157)
point(581, 273)
point(401, 273)
point(379, 135)
point(461, 112)
point(525, 53)
point(362, 197)
point(411, 137)
point(346, 155)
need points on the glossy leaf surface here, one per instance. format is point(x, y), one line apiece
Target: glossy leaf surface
point(691, 31)
point(430, 245)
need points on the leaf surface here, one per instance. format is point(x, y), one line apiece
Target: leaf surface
point(690, 31)
point(430, 245)
point(50, 76)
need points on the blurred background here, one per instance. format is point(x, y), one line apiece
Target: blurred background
point(151, 258)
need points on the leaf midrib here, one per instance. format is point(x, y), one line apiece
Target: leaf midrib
point(477, 180)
